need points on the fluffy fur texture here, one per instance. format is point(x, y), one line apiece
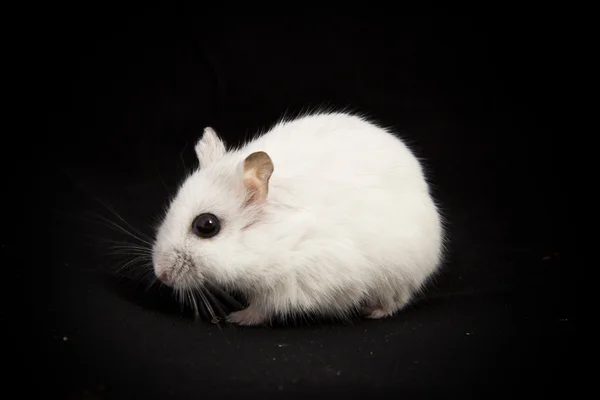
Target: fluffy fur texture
point(348, 222)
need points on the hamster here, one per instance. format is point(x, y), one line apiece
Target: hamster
point(327, 214)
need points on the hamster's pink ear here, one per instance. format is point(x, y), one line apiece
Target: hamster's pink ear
point(209, 147)
point(258, 169)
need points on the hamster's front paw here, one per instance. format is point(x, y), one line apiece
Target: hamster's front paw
point(375, 311)
point(250, 316)
point(379, 309)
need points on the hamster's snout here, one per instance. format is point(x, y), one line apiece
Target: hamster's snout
point(163, 274)
point(164, 277)
point(161, 270)
point(173, 268)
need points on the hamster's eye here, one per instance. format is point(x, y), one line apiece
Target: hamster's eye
point(206, 225)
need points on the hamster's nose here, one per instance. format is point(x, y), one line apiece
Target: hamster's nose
point(164, 277)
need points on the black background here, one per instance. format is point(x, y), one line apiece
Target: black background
point(125, 95)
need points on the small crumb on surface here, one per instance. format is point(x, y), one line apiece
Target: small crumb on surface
point(468, 333)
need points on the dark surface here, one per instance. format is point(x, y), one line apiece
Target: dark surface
point(126, 99)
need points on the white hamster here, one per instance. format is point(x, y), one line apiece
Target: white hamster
point(325, 214)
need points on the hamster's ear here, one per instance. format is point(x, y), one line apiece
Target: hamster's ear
point(258, 169)
point(209, 147)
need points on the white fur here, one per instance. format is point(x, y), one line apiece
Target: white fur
point(348, 221)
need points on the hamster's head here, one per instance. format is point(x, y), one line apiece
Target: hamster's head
point(201, 237)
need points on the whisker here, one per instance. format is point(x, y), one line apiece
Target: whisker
point(153, 282)
point(134, 275)
point(185, 170)
point(131, 262)
point(162, 180)
point(204, 314)
point(148, 272)
point(200, 313)
point(119, 243)
point(116, 226)
point(110, 208)
point(128, 253)
point(124, 249)
point(125, 256)
point(125, 245)
point(121, 255)
point(195, 305)
point(221, 314)
point(181, 300)
point(209, 307)
point(224, 297)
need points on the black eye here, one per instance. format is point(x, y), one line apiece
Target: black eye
point(206, 225)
